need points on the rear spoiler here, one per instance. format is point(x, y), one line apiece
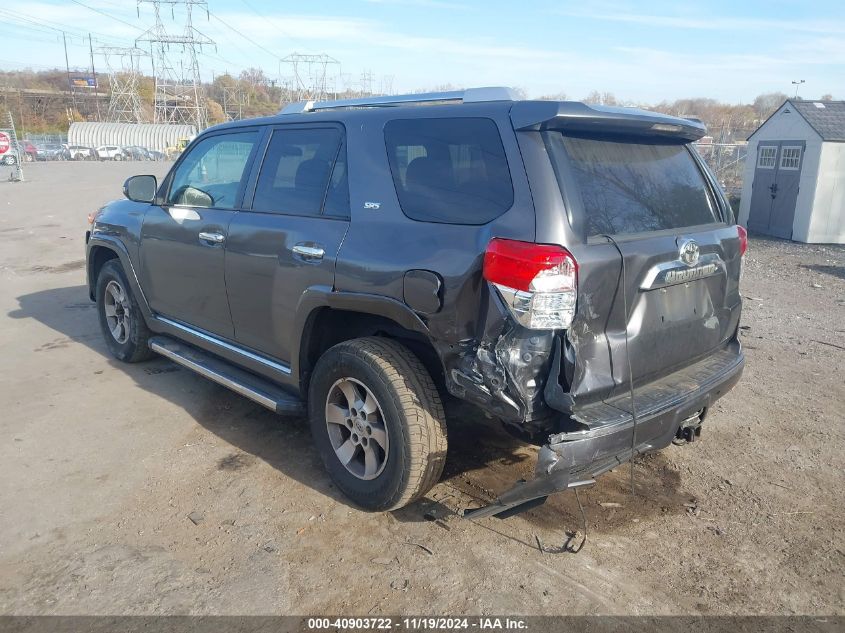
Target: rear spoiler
point(596, 119)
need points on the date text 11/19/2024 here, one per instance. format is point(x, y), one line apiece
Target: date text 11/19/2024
point(417, 624)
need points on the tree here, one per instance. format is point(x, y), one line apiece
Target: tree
point(254, 77)
point(593, 97)
point(558, 96)
point(601, 98)
point(764, 105)
point(215, 112)
point(827, 97)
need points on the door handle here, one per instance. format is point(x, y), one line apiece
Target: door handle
point(309, 253)
point(214, 238)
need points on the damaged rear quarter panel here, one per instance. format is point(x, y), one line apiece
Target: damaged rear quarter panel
point(476, 344)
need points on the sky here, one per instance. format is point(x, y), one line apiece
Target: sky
point(642, 52)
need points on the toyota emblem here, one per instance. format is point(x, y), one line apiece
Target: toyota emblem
point(689, 252)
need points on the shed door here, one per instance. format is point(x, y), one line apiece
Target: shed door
point(775, 187)
point(788, 174)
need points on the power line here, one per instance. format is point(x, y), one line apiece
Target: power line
point(58, 27)
point(248, 39)
point(276, 24)
point(103, 13)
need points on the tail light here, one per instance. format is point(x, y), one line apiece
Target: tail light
point(538, 282)
point(743, 239)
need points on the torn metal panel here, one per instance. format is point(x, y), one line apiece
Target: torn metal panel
point(503, 370)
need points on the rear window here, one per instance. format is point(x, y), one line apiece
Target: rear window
point(630, 187)
point(452, 171)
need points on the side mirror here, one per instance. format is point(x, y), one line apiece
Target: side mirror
point(140, 188)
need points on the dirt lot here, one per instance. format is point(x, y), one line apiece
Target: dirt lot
point(105, 465)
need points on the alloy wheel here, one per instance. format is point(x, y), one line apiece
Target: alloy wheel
point(118, 311)
point(356, 428)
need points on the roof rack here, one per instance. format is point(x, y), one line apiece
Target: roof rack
point(470, 95)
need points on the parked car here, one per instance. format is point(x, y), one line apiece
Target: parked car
point(8, 153)
point(51, 151)
point(136, 152)
point(156, 155)
point(111, 152)
point(28, 150)
point(571, 270)
point(81, 152)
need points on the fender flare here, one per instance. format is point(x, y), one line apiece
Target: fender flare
point(119, 248)
point(316, 297)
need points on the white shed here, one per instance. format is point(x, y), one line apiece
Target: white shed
point(158, 136)
point(794, 183)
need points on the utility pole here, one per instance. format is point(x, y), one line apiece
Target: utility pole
point(94, 74)
point(797, 83)
point(69, 83)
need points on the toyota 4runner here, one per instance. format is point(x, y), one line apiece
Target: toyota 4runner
point(572, 270)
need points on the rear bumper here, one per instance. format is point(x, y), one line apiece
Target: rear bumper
point(604, 437)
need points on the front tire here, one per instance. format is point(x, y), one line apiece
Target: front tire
point(121, 320)
point(378, 423)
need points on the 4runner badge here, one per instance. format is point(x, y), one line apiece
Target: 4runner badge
point(689, 252)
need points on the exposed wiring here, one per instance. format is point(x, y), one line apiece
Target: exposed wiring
point(566, 546)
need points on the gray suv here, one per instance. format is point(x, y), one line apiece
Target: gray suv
point(571, 270)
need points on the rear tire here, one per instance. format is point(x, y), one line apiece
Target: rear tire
point(121, 320)
point(396, 413)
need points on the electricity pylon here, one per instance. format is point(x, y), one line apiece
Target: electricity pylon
point(123, 65)
point(179, 95)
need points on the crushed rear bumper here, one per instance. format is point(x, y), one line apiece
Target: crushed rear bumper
point(604, 437)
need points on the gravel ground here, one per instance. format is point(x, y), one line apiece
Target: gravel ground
point(148, 490)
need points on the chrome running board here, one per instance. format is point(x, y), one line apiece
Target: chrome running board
point(224, 373)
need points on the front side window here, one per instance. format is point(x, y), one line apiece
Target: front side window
point(449, 170)
point(630, 186)
point(210, 174)
point(294, 177)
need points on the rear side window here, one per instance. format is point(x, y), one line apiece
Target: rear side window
point(452, 171)
point(294, 176)
point(633, 187)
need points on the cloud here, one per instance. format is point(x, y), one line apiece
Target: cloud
point(429, 4)
point(715, 23)
point(339, 31)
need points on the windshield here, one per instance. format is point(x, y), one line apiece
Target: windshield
point(633, 186)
